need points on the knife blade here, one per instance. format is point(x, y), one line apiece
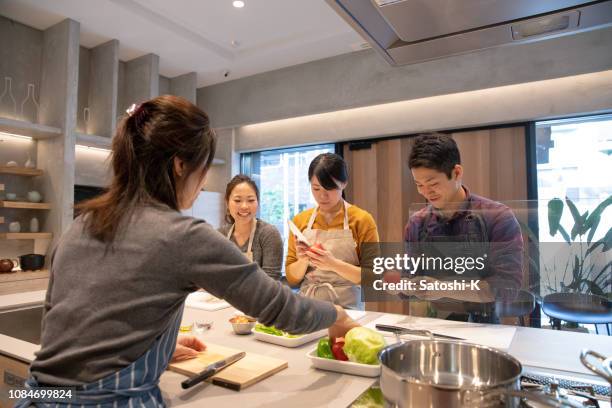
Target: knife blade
point(389, 328)
point(211, 370)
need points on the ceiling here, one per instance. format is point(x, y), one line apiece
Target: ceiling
point(197, 35)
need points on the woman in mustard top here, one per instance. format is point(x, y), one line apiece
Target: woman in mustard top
point(331, 271)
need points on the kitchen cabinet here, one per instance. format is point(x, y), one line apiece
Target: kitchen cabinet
point(13, 373)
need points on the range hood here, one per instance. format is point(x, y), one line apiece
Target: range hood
point(411, 31)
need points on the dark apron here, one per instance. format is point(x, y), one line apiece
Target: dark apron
point(472, 241)
point(136, 385)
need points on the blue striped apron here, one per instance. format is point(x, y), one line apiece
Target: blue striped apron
point(136, 385)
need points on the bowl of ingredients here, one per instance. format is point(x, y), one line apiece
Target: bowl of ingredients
point(356, 354)
point(242, 324)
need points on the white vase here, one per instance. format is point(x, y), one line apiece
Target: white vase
point(29, 164)
point(34, 227)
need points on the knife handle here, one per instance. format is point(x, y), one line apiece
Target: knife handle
point(190, 382)
point(401, 330)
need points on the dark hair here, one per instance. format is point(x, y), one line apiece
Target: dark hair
point(143, 151)
point(328, 167)
point(238, 179)
point(436, 151)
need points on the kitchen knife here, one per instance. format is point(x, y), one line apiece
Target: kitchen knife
point(211, 370)
point(403, 330)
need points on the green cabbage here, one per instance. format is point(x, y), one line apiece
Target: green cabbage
point(361, 345)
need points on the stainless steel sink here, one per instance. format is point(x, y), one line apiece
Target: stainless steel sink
point(23, 324)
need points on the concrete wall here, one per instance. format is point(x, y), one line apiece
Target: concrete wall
point(20, 59)
point(363, 79)
point(83, 95)
point(164, 85)
point(552, 98)
point(220, 174)
point(92, 167)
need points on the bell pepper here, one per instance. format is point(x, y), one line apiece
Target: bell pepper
point(338, 352)
point(324, 349)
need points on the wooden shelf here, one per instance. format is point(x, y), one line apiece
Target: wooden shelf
point(99, 142)
point(20, 171)
point(23, 275)
point(33, 130)
point(26, 235)
point(25, 205)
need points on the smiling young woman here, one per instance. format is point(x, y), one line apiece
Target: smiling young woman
point(259, 241)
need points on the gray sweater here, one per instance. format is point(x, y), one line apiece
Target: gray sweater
point(267, 247)
point(104, 309)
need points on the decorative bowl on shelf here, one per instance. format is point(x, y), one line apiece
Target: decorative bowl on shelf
point(34, 197)
point(11, 164)
point(11, 196)
point(6, 265)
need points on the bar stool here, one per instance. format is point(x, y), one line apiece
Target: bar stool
point(578, 308)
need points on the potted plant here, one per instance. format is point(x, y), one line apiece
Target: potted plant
point(587, 275)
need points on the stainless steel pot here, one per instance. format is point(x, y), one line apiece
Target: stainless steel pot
point(442, 373)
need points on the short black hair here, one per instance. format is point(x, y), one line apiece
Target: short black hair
point(437, 151)
point(328, 167)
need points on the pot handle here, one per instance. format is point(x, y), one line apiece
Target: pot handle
point(546, 400)
point(584, 355)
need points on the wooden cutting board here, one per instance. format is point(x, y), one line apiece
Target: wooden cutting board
point(245, 372)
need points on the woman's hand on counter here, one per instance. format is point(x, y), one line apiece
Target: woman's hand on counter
point(343, 324)
point(187, 347)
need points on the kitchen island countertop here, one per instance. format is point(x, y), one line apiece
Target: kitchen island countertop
point(300, 385)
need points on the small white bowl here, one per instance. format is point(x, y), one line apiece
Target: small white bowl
point(243, 328)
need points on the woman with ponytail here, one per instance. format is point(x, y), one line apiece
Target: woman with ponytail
point(121, 272)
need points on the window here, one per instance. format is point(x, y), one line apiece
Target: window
point(574, 164)
point(574, 159)
point(282, 178)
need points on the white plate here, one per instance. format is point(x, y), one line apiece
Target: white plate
point(289, 341)
point(346, 367)
point(205, 301)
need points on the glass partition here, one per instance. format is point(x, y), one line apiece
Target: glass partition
point(545, 263)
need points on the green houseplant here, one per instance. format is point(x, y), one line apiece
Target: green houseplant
point(586, 278)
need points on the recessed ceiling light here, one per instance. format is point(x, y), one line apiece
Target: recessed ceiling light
point(238, 4)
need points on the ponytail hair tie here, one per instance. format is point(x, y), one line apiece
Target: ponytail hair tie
point(133, 108)
point(137, 112)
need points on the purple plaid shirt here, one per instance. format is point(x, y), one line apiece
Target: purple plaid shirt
point(502, 230)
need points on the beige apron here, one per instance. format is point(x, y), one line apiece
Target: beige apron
point(249, 252)
point(328, 285)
